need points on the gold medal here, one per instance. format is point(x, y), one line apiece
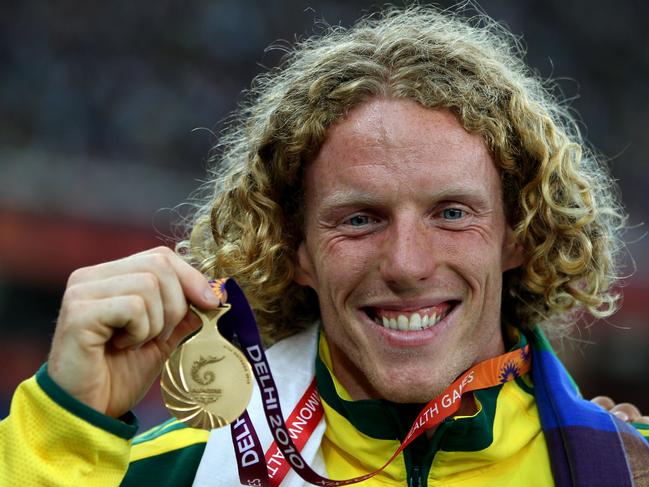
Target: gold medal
point(207, 382)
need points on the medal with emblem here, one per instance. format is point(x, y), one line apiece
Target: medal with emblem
point(207, 382)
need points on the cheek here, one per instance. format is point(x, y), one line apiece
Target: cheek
point(343, 264)
point(347, 254)
point(473, 256)
point(468, 248)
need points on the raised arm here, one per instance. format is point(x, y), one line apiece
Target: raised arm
point(119, 322)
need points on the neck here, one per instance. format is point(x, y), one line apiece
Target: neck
point(357, 385)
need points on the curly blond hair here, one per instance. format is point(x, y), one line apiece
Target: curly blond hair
point(558, 197)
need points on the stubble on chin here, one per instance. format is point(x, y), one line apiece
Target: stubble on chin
point(407, 384)
point(407, 389)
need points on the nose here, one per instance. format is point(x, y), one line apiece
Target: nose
point(407, 255)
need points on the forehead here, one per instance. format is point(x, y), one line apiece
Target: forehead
point(389, 143)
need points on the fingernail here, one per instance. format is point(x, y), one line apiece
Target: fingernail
point(211, 297)
point(623, 416)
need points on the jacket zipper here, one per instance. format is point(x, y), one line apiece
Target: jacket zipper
point(415, 477)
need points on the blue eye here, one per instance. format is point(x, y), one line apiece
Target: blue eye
point(452, 213)
point(358, 220)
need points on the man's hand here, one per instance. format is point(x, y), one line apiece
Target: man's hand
point(119, 321)
point(625, 411)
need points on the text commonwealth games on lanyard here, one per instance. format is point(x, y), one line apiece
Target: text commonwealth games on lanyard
point(201, 399)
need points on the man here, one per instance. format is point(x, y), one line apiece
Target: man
point(409, 189)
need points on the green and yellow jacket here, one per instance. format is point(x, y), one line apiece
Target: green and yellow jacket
point(50, 438)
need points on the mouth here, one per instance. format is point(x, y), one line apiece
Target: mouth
point(410, 319)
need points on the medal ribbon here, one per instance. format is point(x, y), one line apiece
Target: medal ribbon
point(240, 322)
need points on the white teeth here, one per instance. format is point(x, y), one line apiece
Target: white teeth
point(402, 321)
point(415, 322)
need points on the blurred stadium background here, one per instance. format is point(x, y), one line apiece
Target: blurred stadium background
point(98, 102)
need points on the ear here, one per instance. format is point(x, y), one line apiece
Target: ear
point(304, 269)
point(513, 252)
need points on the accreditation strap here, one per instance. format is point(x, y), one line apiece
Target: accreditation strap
point(258, 469)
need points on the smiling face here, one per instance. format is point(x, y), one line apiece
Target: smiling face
point(405, 245)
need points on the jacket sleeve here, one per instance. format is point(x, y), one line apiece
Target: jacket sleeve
point(50, 438)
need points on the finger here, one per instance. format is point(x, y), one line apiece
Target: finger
point(188, 325)
point(627, 409)
point(123, 320)
point(178, 280)
point(136, 330)
point(604, 401)
point(621, 415)
point(144, 284)
point(171, 292)
point(642, 420)
point(195, 285)
point(163, 263)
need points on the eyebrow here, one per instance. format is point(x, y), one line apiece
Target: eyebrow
point(343, 198)
point(351, 197)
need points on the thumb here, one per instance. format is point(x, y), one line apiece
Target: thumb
point(196, 287)
point(188, 325)
point(210, 298)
